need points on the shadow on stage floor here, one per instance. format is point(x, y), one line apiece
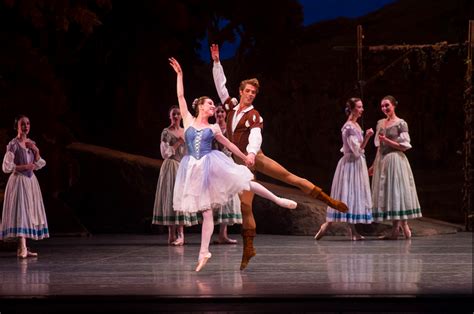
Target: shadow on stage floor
point(292, 274)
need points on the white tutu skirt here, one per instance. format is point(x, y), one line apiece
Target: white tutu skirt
point(209, 182)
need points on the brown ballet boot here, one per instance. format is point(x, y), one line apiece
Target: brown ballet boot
point(318, 194)
point(248, 250)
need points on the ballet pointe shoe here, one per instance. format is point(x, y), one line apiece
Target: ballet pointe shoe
point(203, 261)
point(406, 232)
point(171, 235)
point(225, 241)
point(393, 236)
point(286, 203)
point(322, 231)
point(318, 194)
point(178, 242)
point(357, 237)
point(248, 251)
point(24, 252)
point(31, 254)
point(171, 240)
point(354, 235)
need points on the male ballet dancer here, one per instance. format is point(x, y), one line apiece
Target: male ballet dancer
point(244, 129)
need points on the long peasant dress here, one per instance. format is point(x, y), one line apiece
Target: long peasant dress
point(394, 194)
point(23, 209)
point(231, 212)
point(207, 178)
point(163, 213)
point(351, 180)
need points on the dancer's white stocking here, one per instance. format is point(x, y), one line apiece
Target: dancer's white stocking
point(206, 232)
point(262, 191)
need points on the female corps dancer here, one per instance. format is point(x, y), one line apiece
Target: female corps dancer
point(23, 210)
point(172, 150)
point(394, 193)
point(351, 179)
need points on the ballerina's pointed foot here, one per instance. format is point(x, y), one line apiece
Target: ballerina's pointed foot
point(286, 203)
point(25, 252)
point(32, 254)
point(178, 242)
point(22, 253)
point(321, 231)
point(389, 237)
point(407, 232)
point(225, 241)
point(202, 261)
point(357, 237)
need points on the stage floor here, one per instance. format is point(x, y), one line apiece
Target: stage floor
point(288, 272)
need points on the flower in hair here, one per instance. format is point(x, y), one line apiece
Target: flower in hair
point(195, 102)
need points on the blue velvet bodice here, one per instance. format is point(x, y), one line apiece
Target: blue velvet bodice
point(198, 142)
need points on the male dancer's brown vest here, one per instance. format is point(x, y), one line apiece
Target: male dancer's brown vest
point(250, 119)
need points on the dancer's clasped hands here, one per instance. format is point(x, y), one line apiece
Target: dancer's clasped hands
point(250, 160)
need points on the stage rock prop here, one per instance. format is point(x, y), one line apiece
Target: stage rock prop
point(114, 192)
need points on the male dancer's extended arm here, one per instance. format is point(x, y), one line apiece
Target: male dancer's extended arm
point(220, 81)
point(219, 76)
point(255, 123)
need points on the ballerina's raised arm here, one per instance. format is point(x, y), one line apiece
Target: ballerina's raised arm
point(183, 107)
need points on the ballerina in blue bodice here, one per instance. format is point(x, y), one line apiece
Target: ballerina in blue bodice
point(199, 142)
point(207, 178)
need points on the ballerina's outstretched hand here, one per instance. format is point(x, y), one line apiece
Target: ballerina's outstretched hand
point(175, 65)
point(183, 107)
